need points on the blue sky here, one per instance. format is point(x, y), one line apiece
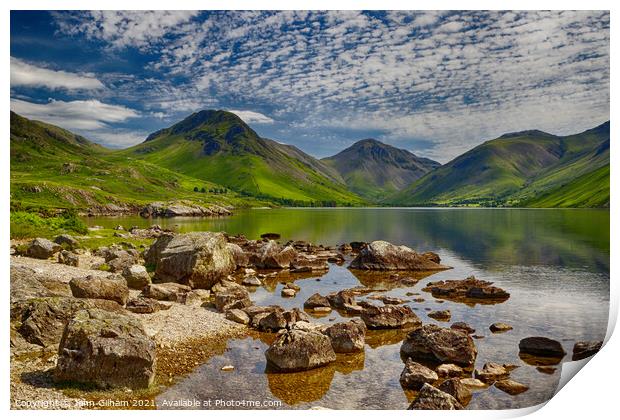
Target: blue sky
point(435, 83)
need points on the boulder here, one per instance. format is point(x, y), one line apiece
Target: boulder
point(347, 337)
point(111, 287)
point(121, 264)
point(239, 256)
point(230, 295)
point(288, 292)
point(41, 321)
point(136, 276)
point(277, 319)
point(197, 259)
point(107, 350)
point(449, 370)
point(541, 346)
point(469, 289)
point(499, 327)
point(440, 315)
point(144, 305)
point(172, 292)
point(463, 326)
point(237, 315)
point(585, 349)
point(300, 349)
point(442, 345)
point(415, 375)
point(389, 316)
point(66, 240)
point(511, 387)
point(68, 258)
point(432, 256)
point(382, 255)
point(272, 255)
point(27, 283)
point(42, 248)
point(431, 398)
point(153, 253)
point(251, 281)
point(197, 297)
point(491, 372)
point(455, 388)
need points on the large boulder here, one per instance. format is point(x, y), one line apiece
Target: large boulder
point(415, 375)
point(41, 321)
point(382, 255)
point(316, 301)
point(198, 259)
point(271, 255)
point(347, 337)
point(389, 316)
point(66, 240)
point(153, 253)
point(42, 248)
point(469, 289)
point(541, 346)
point(136, 276)
point(107, 350)
point(441, 345)
point(27, 283)
point(230, 295)
point(239, 256)
point(431, 398)
point(300, 349)
point(172, 292)
point(112, 287)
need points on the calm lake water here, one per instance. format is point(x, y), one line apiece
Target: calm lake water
point(554, 263)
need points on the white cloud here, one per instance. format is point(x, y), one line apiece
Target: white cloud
point(24, 74)
point(74, 115)
point(115, 139)
point(252, 117)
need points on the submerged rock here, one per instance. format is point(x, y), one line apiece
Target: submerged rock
point(470, 289)
point(585, 349)
point(415, 375)
point(442, 345)
point(431, 398)
point(440, 315)
point(389, 316)
point(300, 349)
point(499, 327)
point(456, 388)
point(463, 326)
point(511, 387)
point(106, 349)
point(541, 346)
point(382, 255)
point(197, 259)
point(491, 372)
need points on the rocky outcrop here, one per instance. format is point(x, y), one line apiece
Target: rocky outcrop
point(431, 398)
point(415, 375)
point(389, 316)
point(300, 349)
point(347, 337)
point(382, 255)
point(585, 349)
point(107, 350)
point(41, 321)
point(469, 289)
point(136, 276)
point(197, 259)
point(112, 287)
point(172, 209)
point(441, 345)
point(541, 346)
point(42, 248)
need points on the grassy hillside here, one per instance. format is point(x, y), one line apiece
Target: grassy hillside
point(375, 170)
point(514, 169)
point(218, 146)
point(55, 169)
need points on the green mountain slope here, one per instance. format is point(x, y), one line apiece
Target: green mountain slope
point(54, 168)
point(513, 170)
point(374, 170)
point(218, 146)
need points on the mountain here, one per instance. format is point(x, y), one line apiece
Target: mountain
point(53, 168)
point(519, 169)
point(374, 170)
point(218, 146)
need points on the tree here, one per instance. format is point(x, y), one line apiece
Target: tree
point(195, 189)
point(203, 190)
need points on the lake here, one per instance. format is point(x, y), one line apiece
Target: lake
point(553, 262)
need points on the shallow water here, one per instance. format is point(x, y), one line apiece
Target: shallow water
point(554, 263)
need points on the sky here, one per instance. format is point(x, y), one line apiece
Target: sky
point(436, 83)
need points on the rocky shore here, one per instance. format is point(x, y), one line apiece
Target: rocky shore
point(121, 318)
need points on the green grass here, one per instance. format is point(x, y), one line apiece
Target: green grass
point(30, 225)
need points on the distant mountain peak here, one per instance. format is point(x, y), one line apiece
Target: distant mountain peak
point(526, 133)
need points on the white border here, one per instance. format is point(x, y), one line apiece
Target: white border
point(591, 395)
